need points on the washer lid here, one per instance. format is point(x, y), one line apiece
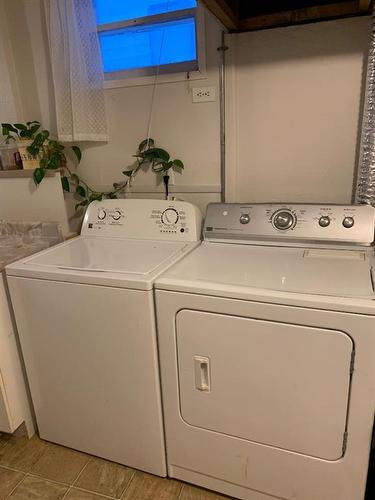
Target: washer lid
point(106, 255)
point(340, 273)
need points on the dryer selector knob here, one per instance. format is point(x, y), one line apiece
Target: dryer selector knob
point(348, 222)
point(324, 221)
point(283, 220)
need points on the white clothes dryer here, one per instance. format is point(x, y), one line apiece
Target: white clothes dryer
point(85, 316)
point(267, 352)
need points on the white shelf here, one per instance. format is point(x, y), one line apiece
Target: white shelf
point(14, 174)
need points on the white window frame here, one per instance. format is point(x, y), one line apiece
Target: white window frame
point(175, 72)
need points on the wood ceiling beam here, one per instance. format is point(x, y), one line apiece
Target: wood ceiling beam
point(223, 12)
point(329, 11)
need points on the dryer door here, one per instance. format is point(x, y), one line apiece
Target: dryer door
point(277, 384)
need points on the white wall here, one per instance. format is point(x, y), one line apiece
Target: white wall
point(22, 200)
point(22, 56)
point(293, 111)
point(188, 130)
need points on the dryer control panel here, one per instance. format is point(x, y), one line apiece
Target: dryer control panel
point(143, 219)
point(291, 223)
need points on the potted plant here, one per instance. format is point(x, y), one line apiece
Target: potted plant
point(47, 153)
point(147, 155)
point(23, 134)
point(53, 157)
point(159, 159)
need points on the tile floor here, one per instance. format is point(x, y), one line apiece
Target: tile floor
point(35, 469)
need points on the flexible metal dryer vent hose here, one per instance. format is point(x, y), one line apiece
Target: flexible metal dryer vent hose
point(365, 188)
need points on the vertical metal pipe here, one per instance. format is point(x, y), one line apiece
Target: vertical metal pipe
point(222, 50)
point(365, 185)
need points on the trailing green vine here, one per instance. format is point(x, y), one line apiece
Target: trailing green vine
point(20, 131)
point(53, 157)
point(159, 159)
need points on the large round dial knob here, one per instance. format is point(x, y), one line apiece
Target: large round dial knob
point(101, 214)
point(324, 221)
point(169, 216)
point(348, 222)
point(283, 220)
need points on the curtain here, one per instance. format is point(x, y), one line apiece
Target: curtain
point(76, 70)
point(8, 109)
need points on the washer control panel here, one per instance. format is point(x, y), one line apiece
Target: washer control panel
point(291, 223)
point(143, 219)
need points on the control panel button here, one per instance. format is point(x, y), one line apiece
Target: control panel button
point(283, 220)
point(348, 222)
point(101, 214)
point(116, 215)
point(324, 221)
point(169, 216)
point(245, 218)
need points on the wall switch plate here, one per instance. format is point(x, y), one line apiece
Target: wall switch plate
point(204, 94)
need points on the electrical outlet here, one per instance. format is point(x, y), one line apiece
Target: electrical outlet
point(171, 177)
point(204, 94)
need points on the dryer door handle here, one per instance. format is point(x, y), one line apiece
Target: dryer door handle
point(202, 373)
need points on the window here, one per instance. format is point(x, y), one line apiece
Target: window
point(147, 37)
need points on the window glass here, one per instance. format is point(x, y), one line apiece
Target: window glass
point(149, 45)
point(111, 11)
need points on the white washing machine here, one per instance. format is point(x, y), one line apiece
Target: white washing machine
point(85, 316)
point(267, 353)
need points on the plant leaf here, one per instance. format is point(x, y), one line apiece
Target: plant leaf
point(81, 191)
point(77, 151)
point(118, 186)
point(95, 197)
point(7, 128)
point(146, 144)
point(39, 174)
point(74, 178)
point(20, 126)
point(65, 183)
point(167, 166)
point(53, 162)
point(178, 164)
point(34, 129)
point(157, 153)
point(158, 168)
point(32, 150)
point(83, 203)
point(38, 140)
point(162, 153)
